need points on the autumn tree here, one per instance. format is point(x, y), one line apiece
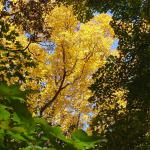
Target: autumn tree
point(78, 50)
point(67, 52)
point(18, 129)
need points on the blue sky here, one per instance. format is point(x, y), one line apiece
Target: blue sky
point(115, 45)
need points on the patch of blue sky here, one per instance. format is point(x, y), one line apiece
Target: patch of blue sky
point(90, 114)
point(85, 126)
point(6, 6)
point(108, 12)
point(96, 13)
point(43, 84)
point(93, 105)
point(49, 46)
point(85, 123)
point(71, 110)
point(114, 45)
point(28, 35)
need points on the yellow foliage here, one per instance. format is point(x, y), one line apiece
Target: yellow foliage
point(78, 53)
point(64, 76)
point(1, 6)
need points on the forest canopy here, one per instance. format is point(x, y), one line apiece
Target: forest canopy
point(62, 86)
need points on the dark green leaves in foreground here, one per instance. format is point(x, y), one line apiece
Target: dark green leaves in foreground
point(79, 139)
point(19, 130)
point(82, 140)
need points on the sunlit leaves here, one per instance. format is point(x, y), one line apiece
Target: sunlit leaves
point(66, 72)
point(79, 50)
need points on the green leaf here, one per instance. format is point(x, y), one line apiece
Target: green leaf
point(4, 124)
point(83, 141)
point(16, 102)
point(18, 129)
point(17, 98)
point(16, 118)
point(54, 131)
point(35, 147)
point(23, 114)
point(1, 47)
point(16, 136)
point(4, 114)
point(2, 134)
point(11, 91)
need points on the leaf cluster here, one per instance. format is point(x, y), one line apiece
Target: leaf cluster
point(130, 71)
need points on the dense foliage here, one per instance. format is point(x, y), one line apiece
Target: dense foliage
point(128, 72)
point(58, 73)
point(65, 60)
point(18, 129)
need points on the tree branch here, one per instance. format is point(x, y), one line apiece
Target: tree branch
point(60, 87)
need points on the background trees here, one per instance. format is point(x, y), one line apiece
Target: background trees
point(129, 130)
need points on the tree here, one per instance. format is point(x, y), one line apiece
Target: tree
point(18, 129)
point(78, 51)
point(129, 71)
